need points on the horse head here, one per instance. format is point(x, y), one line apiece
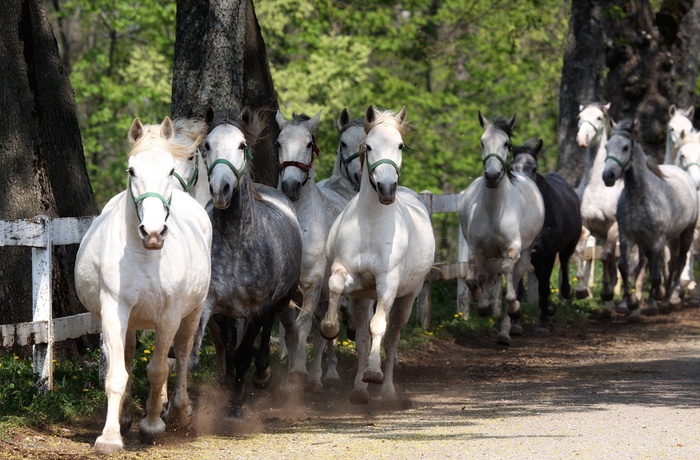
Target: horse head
point(189, 133)
point(382, 151)
point(680, 120)
point(352, 133)
point(688, 156)
point(525, 157)
point(227, 152)
point(296, 149)
point(151, 165)
point(495, 146)
point(620, 151)
point(592, 122)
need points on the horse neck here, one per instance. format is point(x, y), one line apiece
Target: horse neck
point(200, 191)
point(495, 198)
point(638, 177)
point(337, 167)
point(594, 162)
point(671, 151)
point(241, 211)
point(367, 196)
point(131, 219)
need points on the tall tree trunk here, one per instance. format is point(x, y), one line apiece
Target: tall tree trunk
point(220, 60)
point(42, 164)
point(679, 23)
point(581, 81)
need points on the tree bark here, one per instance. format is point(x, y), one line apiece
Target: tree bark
point(220, 60)
point(581, 82)
point(682, 37)
point(42, 164)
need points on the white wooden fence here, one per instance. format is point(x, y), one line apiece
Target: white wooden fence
point(42, 233)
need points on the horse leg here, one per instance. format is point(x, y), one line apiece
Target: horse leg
point(489, 297)
point(313, 381)
point(332, 378)
point(386, 292)
point(125, 418)
point(583, 268)
point(543, 272)
point(607, 258)
point(180, 407)
point(330, 326)
point(400, 314)
point(508, 263)
point(199, 335)
point(157, 370)
point(242, 357)
point(114, 331)
point(360, 314)
point(304, 322)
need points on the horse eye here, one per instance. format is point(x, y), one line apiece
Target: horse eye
point(242, 146)
point(343, 145)
point(206, 146)
point(172, 172)
point(482, 144)
point(368, 148)
point(279, 146)
point(401, 146)
point(131, 172)
point(309, 145)
point(505, 145)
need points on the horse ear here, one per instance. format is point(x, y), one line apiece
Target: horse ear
point(511, 122)
point(690, 113)
point(538, 146)
point(279, 118)
point(482, 121)
point(671, 110)
point(607, 107)
point(209, 114)
point(313, 122)
point(343, 120)
point(167, 130)
point(401, 117)
point(370, 115)
point(136, 131)
point(247, 115)
point(580, 108)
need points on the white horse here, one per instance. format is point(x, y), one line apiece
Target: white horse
point(680, 121)
point(598, 202)
point(347, 175)
point(380, 247)
point(501, 215)
point(145, 264)
point(317, 209)
point(688, 158)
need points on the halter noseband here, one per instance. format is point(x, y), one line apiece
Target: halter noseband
point(622, 164)
point(373, 166)
point(238, 173)
point(596, 130)
point(504, 163)
point(186, 186)
point(143, 196)
point(303, 166)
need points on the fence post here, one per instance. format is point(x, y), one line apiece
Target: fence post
point(41, 303)
point(424, 298)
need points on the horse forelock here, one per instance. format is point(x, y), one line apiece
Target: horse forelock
point(354, 122)
point(152, 139)
point(387, 117)
point(624, 128)
point(502, 124)
point(252, 132)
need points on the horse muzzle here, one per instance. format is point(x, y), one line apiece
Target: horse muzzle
point(492, 179)
point(292, 189)
point(583, 141)
point(386, 192)
point(221, 197)
point(609, 178)
point(153, 240)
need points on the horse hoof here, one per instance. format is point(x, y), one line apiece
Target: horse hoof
point(503, 339)
point(635, 316)
point(622, 309)
point(359, 397)
point(551, 309)
point(582, 294)
point(262, 379)
point(651, 311)
point(330, 330)
point(516, 329)
point(296, 377)
point(373, 376)
point(485, 311)
point(542, 331)
point(605, 313)
point(125, 424)
point(331, 383)
point(632, 302)
point(315, 388)
point(109, 445)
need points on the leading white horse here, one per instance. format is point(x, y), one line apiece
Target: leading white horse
point(501, 215)
point(145, 264)
point(380, 247)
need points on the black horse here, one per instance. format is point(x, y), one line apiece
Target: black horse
point(561, 230)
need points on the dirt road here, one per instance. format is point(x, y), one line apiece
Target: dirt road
point(598, 389)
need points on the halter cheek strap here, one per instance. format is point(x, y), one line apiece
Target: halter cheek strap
point(597, 130)
point(306, 168)
point(187, 186)
point(503, 162)
point(623, 164)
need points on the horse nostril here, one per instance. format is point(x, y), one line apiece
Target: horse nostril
point(164, 231)
point(226, 190)
point(142, 231)
point(211, 191)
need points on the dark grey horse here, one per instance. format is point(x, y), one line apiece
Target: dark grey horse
point(657, 208)
point(560, 232)
point(256, 255)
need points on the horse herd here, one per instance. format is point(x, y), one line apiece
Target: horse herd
point(182, 255)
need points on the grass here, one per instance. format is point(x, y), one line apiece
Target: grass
point(77, 393)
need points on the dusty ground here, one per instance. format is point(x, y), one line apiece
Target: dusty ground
point(593, 389)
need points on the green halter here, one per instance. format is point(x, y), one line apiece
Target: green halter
point(238, 173)
point(186, 186)
point(143, 196)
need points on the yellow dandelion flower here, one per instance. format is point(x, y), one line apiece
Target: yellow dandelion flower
point(491, 321)
point(174, 374)
point(54, 361)
point(460, 313)
point(75, 377)
point(85, 390)
point(146, 351)
point(456, 315)
point(144, 359)
point(345, 343)
point(16, 357)
point(153, 346)
point(428, 333)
